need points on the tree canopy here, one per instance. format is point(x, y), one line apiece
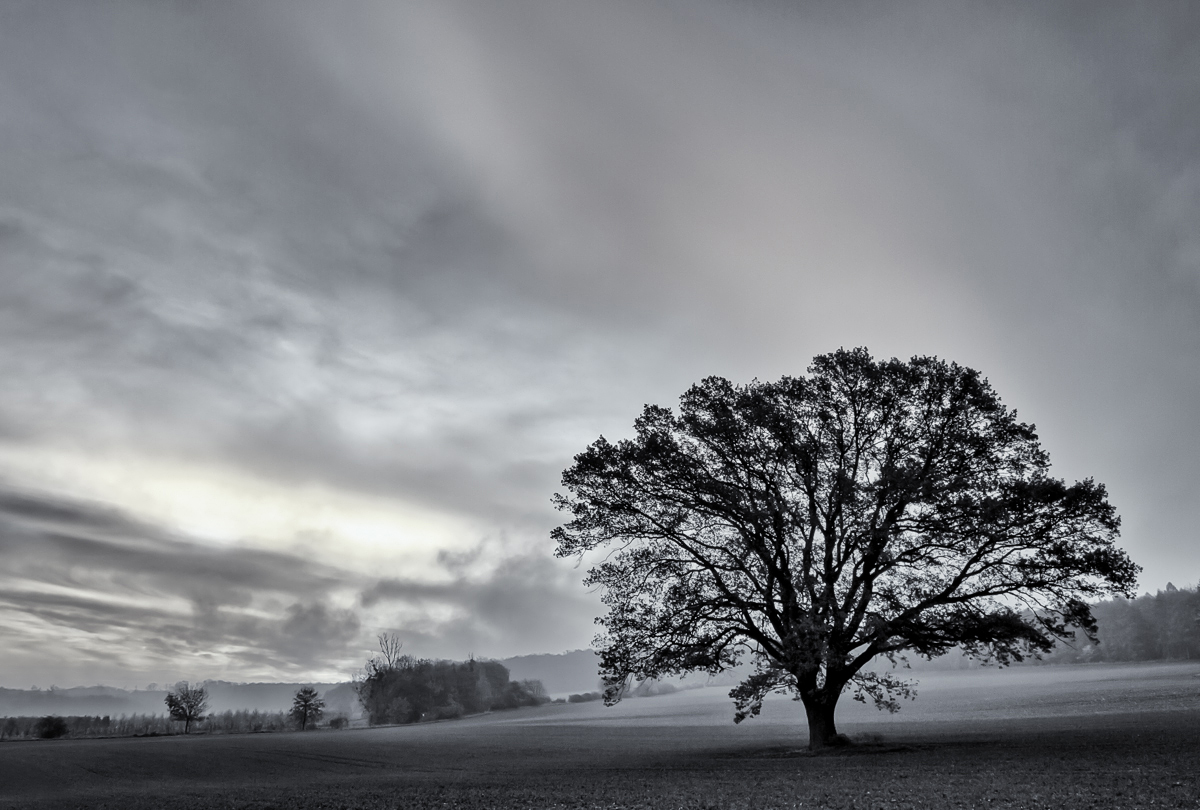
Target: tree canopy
point(811, 524)
point(307, 707)
point(396, 688)
point(187, 703)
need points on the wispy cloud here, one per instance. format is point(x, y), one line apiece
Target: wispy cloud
point(89, 577)
point(99, 585)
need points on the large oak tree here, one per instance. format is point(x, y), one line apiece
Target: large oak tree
point(872, 508)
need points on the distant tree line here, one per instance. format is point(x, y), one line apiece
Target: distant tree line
point(586, 697)
point(397, 688)
point(1161, 627)
point(150, 725)
point(1165, 626)
point(185, 703)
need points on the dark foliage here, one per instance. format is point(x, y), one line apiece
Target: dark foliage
point(244, 721)
point(402, 689)
point(187, 703)
point(148, 725)
point(307, 707)
point(586, 697)
point(812, 524)
point(51, 728)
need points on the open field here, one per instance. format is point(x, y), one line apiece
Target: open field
point(1078, 737)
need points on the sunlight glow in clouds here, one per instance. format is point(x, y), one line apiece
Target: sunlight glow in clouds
point(227, 506)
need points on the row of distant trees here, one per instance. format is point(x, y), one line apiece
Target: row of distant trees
point(241, 721)
point(1165, 626)
point(393, 688)
point(396, 688)
point(188, 704)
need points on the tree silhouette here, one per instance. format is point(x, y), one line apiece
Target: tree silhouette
point(812, 524)
point(187, 703)
point(390, 646)
point(307, 707)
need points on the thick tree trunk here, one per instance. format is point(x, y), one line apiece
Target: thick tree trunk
point(822, 732)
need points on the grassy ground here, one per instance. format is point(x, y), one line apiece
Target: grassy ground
point(1076, 738)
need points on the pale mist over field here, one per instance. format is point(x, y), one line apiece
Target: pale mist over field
point(304, 307)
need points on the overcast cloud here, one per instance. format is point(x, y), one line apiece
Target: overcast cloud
point(305, 306)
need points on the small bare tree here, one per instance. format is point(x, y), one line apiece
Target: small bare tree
point(187, 703)
point(390, 645)
point(307, 707)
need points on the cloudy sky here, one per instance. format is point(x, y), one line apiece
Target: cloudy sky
point(305, 306)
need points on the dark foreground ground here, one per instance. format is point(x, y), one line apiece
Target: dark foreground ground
point(1087, 737)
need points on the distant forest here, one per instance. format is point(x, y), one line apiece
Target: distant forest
point(404, 689)
point(1161, 627)
point(1165, 626)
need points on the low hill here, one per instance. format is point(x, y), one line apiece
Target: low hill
point(560, 674)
